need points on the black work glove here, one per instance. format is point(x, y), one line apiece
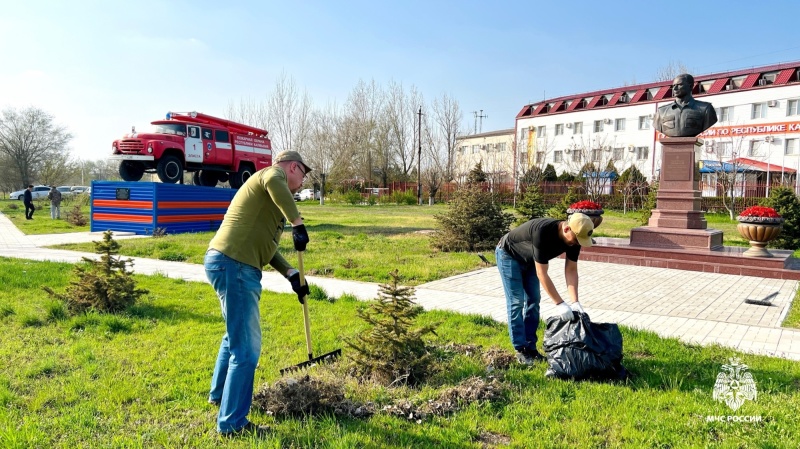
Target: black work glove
point(300, 237)
point(301, 290)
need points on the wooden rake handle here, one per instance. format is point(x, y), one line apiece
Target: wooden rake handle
point(306, 319)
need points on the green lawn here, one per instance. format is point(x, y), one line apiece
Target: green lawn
point(141, 380)
point(42, 223)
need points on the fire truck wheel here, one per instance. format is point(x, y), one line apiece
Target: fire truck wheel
point(238, 179)
point(131, 171)
point(196, 178)
point(208, 178)
point(170, 169)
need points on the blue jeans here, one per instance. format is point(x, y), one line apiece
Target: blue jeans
point(238, 288)
point(521, 286)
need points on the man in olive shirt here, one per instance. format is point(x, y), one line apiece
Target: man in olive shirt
point(246, 241)
point(522, 259)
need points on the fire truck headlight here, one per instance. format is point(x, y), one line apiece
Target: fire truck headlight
point(150, 148)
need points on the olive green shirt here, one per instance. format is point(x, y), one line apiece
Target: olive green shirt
point(254, 222)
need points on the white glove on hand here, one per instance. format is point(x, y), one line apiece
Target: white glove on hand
point(577, 307)
point(564, 311)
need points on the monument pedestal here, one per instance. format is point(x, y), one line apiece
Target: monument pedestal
point(677, 221)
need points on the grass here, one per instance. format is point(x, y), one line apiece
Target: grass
point(141, 380)
point(42, 223)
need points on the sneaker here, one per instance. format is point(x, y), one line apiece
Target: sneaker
point(248, 430)
point(529, 356)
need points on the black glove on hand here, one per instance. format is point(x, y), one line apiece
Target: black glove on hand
point(301, 290)
point(300, 237)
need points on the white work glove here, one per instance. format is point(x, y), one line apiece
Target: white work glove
point(577, 307)
point(564, 311)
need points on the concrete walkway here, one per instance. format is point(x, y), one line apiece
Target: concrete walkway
point(700, 308)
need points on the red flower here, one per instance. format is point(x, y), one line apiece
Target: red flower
point(586, 204)
point(760, 211)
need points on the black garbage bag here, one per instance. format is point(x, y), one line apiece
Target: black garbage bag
point(580, 349)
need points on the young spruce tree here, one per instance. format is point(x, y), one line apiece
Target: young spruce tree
point(392, 349)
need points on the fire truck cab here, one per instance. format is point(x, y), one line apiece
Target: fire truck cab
point(214, 149)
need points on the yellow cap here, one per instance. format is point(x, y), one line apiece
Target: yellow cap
point(582, 226)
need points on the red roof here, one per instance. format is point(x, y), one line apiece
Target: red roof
point(761, 165)
point(784, 76)
point(750, 81)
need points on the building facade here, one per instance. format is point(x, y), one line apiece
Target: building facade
point(758, 126)
point(494, 150)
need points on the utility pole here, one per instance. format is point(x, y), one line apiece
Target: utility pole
point(419, 158)
point(481, 117)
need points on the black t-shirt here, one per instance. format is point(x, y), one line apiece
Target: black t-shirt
point(537, 240)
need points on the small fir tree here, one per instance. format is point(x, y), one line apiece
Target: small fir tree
point(104, 285)
point(785, 202)
point(392, 350)
point(531, 205)
point(549, 174)
point(477, 175)
point(650, 203)
point(559, 211)
point(75, 216)
point(472, 222)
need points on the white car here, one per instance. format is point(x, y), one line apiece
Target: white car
point(79, 189)
point(37, 192)
point(65, 191)
point(308, 194)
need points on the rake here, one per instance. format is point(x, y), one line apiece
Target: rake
point(324, 358)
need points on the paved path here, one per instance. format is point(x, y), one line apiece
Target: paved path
point(701, 308)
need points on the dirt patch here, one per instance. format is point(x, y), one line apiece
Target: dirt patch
point(425, 231)
point(450, 400)
point(492, 439)
point(497, 359)
point(307, 396)
point(641, 355)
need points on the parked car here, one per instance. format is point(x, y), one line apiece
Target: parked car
point(297, 196)
point(308, 194)
point(79, 189)
point(37, 192)
point(65, 190)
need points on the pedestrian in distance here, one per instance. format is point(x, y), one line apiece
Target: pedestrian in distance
point(55, 203)
point(522, 259)
point(27, 198)
point(246, 241)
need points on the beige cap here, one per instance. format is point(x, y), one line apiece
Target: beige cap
point(582, 226)
point(292, 156)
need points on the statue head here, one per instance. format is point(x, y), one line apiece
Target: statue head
point(682, 86)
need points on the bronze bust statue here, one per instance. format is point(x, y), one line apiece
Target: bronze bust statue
point(684, 117)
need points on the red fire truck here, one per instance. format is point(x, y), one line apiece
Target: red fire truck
point(214, 149)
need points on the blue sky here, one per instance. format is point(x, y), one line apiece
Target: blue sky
point(101, 66)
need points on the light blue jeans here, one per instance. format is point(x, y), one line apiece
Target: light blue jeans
point(521, 286)
point(238, 288)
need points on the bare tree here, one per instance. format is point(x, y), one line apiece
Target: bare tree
point(289, 115)
point(250, 112)
point(401, 112)
point(28, 138)
point(671, 70)
point(448, 117)
point(362, 115)
point(588, 159)
point(58, 169)
point(434, 162)
point(726, 173)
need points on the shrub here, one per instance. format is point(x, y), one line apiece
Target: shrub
point(649, 204)
point(75, 216)
point(559, 212)
point(353, 197)
point(12, 206)
point(408, 197)
point(531, 205)
point(392, 349)
point(103, 285)
point(472, 222)
point(785, 203)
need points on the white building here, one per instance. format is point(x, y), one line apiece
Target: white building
point(494, 150)
point(757, 112)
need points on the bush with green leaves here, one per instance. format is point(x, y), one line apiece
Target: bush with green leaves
point(76, 217)
point(649, 204)
point(104, 285)
point(559, 211)
point(472, 222)
point(392, 350)
point(531, 205)
point(785, 203)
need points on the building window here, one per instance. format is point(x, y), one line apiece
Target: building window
point(577, 128)
point(559, 129)
point(618, 154)
point(464, 149)
point(759, 111)
point(577, 156)
point(644, 122)
point(598, 126)
point(642, 152)
point(791, 107)
point(539, 157)
point(724, 149)
point(619, 124)
point(725, 113)
point(754, 149)
point(501, 147)
point(523, 141)
point(557, 156)
point(597, 154)
point(792, 146)
point(540, 131)
point(476, 149)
